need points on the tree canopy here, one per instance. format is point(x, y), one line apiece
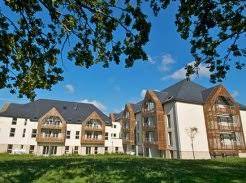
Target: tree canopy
point(34, 37)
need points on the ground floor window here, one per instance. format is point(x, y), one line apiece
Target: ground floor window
point(66, 149)
point(116, 149)
point(171, 154)
point(31, 149)
point(88, 150)
point(50, 150)
point(106, 149)
point(95, 150)
point(10, 148)
point(76, 150)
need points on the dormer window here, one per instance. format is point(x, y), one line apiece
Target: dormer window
point(150, 106)
point(127, 114)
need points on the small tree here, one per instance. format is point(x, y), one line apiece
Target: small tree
point(191, 132)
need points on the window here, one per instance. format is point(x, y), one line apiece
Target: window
point(22, 146)
point(116, 149)
point(169, 121)
point(95, 135)
point(88, 150)
point(31, 149)
point(66, 149)
point(34, 133)
point(76, 150)
point(77, 135)
point(113, 135)
point(25, 122)
point(226, 119)
point(88, 135)
point(106, 136)
point(170, 138)
point(150, 106)
point(68, 134)
point(24, 132)
point(115, 126)
point(14, 121)
point(10, 147)
point(106, 149)
point(138, 137)
point(50, 150)
point(12, 132)
point(95, 150)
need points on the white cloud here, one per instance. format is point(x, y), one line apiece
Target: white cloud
point(166, 62)
point(69, 88)
point(151, 60)
point(98, 104)
point(235, 93)
point(180, 73)
point(143, 92)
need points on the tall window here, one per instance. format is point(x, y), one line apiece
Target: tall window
point(170, 138)
point(24, 132)
point(115, 126)
point(14, 121)
point(77, 135)
point(76, 150)
point(88, 150)
point(12, 132)
point(95, 150)
point(25, 122)
point(169, 125)
point(106, 150)
point(68, 134)
point(34, 133)
point(66, 149)
point(31, 149)
point(106, 136)
point(116, 149)
point(10, 148)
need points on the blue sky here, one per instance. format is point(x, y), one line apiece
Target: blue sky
point(111, 88)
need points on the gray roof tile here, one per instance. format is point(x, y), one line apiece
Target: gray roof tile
point(72, 112)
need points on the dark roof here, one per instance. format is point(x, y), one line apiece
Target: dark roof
point(186, 91)
point(183, 91)
point(72, 112)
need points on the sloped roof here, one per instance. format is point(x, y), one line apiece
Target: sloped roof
point(72, 112)
point(186, 91)
point(183, 91)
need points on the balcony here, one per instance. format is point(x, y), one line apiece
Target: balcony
point(43, 139)
point(92, 128)
point(225, 109)
point(51, 126)
point(151, 127)
point(229, 126)
point(150, 141)
point(93, 141)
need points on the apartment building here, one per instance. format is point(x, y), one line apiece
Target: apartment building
point(185, 120)
point(52, 127)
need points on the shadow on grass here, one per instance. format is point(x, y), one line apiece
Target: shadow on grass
point(113, 168)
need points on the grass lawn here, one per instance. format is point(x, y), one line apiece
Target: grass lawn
point(118, 168)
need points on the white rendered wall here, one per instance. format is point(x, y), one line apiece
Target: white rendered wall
point(17, 140)
point(113, 142)
point(191, 115)
point(243, 119)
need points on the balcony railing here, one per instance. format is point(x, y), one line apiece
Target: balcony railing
point(229, 126)
point(93, 128)
point(225, 109)
point(41, 138)
point(92, 141)
point(147, 127)
point(51, 126)
point(150, 141)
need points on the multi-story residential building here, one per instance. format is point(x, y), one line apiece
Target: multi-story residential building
point(57, 127)
point(161, 124)
point(185, 120)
